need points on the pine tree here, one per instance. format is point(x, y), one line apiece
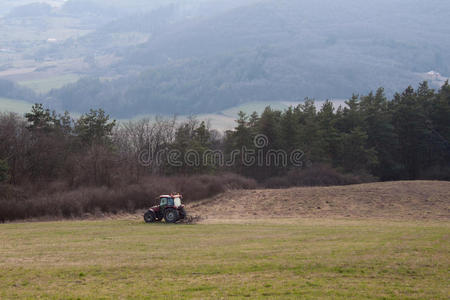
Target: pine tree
point(269, 125)
point(242, 135)
point(202, 135)
point(350, 115)
point(377, 122)
point(40, 118)
point(440, 114)
point(94, 127)
point(439, 125)
point(328, 134)
point(411, 126)
point(354, 155)
point(308, 131)
point(253, 120)
point(289, 130)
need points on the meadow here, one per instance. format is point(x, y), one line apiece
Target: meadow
point(47, 84)
point(258, 259)
point(17, 106)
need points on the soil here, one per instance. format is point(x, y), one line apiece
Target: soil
point(414, 200)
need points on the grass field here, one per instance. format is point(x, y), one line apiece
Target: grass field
point(17, 106)
point(289, 259)
point(46, 84)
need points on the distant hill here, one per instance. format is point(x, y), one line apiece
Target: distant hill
point(203, 60)
point(10, 90)
point(31, 10)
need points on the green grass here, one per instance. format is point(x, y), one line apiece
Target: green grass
point(294, 259)
point(47, 84)
point(17, 106)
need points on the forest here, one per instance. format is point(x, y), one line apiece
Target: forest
point(54, 165)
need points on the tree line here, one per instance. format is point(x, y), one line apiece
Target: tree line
point(54, 165)
point(406, 137)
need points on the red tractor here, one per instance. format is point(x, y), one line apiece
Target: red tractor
point(170, 209)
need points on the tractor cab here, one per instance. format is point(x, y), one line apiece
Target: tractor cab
point(170, 200)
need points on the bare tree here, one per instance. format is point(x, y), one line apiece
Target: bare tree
point(14, 145)
point(145, 136)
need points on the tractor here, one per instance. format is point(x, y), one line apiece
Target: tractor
point(170, 209)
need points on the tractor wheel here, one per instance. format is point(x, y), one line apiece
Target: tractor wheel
point(171, 215)
point(149, 217)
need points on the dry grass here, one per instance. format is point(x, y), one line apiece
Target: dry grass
point(258, 259)
point(413, 200)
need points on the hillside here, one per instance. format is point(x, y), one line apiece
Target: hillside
point(418, 200)
point(204, 56)
point(266, 51)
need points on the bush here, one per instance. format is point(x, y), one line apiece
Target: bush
point(60, 202)
point(14, 205)
point(197, 187)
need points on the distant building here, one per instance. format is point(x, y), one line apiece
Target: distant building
point(434, 75)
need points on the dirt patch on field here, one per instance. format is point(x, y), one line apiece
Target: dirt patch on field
point(418, 200)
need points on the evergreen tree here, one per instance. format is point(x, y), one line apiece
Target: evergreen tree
point(269, 125)
point(440, 112)
point(253, 120)
point(377, 122)
point(241, 139)
point(328, 134)
point(242, 136)
point(200, 144)
point(354, 155)
point(350, 115)
point(202, 135)
point(439, 125)
point(94, 127)
point(410, 123)
point(289, 130)
point(308, 136)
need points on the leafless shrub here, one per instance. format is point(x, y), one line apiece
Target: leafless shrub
point(147, 134)
point(15, 145)
point(97, 166)
point(64, 203)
